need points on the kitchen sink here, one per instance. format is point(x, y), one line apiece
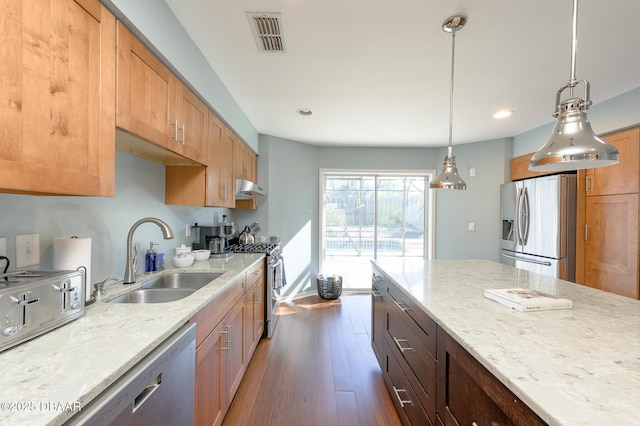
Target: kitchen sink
point(187, 281)
point(168, 288)
point(151, 295)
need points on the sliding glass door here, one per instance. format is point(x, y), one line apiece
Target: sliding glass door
point(369, 215)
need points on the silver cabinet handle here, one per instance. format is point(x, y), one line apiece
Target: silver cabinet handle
point(403, 306)
point(400, 400)
point(175, 136)
point(402, 348)
point(227, 339)
point(146, 393)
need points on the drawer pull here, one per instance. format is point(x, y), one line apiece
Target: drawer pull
point(402, 306)
point(399, 345)
point(402, 401)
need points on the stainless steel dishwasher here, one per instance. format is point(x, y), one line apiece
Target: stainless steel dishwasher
point(159, 390)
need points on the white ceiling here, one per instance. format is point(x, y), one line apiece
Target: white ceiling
point(377, 72)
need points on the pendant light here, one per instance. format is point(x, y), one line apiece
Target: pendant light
point(449, 177)
point(573, 145)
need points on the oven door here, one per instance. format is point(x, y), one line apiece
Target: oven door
point(275, 279)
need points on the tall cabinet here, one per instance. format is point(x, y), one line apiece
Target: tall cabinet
point(607, 215)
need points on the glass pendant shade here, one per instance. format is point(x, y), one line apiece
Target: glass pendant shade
point(449, 177)
point(573, 145)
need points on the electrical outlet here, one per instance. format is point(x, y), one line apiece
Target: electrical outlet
point(472, 226)
point(27, 250)
point(3, 246)
point(187, 230)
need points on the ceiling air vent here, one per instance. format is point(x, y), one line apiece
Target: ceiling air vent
point(267, 30)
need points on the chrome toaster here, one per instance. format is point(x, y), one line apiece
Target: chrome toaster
point(35, 302)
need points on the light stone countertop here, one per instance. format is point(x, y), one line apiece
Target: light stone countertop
point(69, 366)
point(572, 367)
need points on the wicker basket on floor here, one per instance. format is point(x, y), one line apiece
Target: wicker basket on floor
point(329, 286)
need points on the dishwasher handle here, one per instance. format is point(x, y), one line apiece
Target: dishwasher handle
point(146, 393)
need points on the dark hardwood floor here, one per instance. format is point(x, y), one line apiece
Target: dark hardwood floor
point(318, 369)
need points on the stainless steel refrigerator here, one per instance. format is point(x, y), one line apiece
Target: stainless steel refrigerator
point(539, 225)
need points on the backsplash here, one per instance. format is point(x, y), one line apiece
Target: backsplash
point(106, 220)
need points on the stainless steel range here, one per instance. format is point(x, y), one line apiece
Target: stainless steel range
point(34, 302)
point(275, 279)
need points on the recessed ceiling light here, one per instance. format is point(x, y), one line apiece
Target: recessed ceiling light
point(503, 114)
point(305, 112)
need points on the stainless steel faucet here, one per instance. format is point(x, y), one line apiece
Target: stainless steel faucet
point(167, 233)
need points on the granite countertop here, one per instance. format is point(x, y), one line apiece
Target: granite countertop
point(47, 379)
point(579, 366)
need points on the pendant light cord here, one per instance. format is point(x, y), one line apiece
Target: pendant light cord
point(453, 54)
point(574, 42)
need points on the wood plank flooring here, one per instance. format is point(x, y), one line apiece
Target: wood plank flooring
point(317, 370)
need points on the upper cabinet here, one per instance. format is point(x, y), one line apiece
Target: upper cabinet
point(244, 160)
point(58, 89)
point(153, 104)
point(607, 220)
point(622, 178)
point(520, 168)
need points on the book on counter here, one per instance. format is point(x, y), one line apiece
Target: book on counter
point(525, 299)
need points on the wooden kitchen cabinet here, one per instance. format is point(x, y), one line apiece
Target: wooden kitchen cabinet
point(254, 309)
point(153, 104)
point(58, 111)
point(432, 380)
point(404, 341)
point(220, 184)
point(210, 379)
point(244, 160)
point(520, 168)
point(607, 220)
point(611, 244)
point(468, 394)
point(622, 178)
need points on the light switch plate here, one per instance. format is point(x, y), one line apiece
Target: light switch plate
point(3, 246)
point(27, 250)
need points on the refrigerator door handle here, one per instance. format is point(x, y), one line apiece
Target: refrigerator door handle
point(520, 217)
point(537, 262)
point(525, 216)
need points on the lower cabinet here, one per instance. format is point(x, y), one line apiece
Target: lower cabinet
point(224, 345)
point(433, 380)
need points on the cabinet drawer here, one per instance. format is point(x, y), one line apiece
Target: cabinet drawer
point(211, 315)
point(411, 310)
point(402, 394)
point(254, 274)
point(402, 336)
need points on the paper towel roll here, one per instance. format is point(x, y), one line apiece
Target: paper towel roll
point(70, 253)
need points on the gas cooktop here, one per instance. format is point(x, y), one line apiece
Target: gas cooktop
point(267, 248)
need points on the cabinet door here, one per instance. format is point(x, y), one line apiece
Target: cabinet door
point(193, 118)
point(234, 357)
point(58, 88)
point(210, 379)
point(468, 394)
point(624, 177)
point(146, 92)
point(220, 189)
point(611, 246)
point(378, 318)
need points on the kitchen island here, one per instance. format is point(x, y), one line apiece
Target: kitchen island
point(578, 366)
point(47, 380)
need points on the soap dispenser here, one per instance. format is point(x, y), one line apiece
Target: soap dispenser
point(151, 259)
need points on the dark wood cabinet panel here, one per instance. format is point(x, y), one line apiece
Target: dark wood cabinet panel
point(469, 394)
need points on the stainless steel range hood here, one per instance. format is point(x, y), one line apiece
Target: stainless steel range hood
point(246, 190)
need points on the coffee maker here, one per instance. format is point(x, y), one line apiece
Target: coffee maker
point(215, 238)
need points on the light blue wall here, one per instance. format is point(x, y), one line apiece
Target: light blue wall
point(291, 207)
point(139, 193)
point(159, 27)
